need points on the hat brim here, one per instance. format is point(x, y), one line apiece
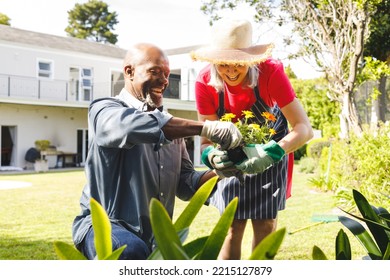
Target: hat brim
point(247, 56)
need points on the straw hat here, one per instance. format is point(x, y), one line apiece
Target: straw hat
point(232, 44)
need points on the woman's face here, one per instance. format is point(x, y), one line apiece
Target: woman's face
point(232, 74)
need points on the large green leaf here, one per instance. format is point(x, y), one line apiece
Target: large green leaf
point(116, 254)
point(102, 230)
point(386, 255)
point(363, 236)
point(343, 246)
point(269, 246)
point(67, 252)
point(215, 241)
point(197, 201)
point(318, 254)
point(165, 234)
point(194, 247)
point(156, 254)
point(368, 213)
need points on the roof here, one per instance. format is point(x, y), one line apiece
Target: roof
point(8, 33)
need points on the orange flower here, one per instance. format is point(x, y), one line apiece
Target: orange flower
point(269, 116)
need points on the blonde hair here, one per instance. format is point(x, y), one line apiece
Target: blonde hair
point(217, 82)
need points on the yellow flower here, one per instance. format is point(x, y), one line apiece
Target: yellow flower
point(248, 114)
point(228, 117)
point(253, 133)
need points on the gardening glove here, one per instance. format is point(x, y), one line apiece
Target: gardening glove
point(261, 157)
point(219, 161)
point(226, 134)
point(215, 159)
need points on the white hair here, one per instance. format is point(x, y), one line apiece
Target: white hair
point(217, 82)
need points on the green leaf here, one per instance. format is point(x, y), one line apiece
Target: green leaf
point(156, 254)
point(368, 213)
point(67, 252)
point(269, 246)
point(165, 234)
point(318, 254)
point(386, 255)
point(194, 247)
point(343, 246)
point(197, 201)
point(363, 236)
point(116, 254)
point(102, 230)
point(215, 241)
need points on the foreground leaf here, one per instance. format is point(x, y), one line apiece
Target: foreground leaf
point(197, 201)
point(116, 254)
point(102, 230)
point(368, 213)
point(343, 246)
point(269, 246)
point(194, 247)
point(156, 254)
point(165, 234)
point(318, 254)
point(67, 252)
point(363, 236)
point(217, 237)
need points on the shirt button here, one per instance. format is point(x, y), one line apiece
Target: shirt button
point(162, 167)
point(161, 194)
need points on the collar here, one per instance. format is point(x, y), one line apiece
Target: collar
point(133, 102)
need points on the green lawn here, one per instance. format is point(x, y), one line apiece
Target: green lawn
point(33, 218)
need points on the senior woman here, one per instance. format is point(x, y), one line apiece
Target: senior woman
point(241, 77)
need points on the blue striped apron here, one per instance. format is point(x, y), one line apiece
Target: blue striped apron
point(260, 196)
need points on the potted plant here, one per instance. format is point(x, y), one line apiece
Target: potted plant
point(41, 164)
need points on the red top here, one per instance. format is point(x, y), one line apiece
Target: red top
point(274, 87)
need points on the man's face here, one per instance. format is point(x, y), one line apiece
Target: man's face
point(233, 75)
point(150, 77)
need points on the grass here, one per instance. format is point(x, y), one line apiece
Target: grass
point(33, 218)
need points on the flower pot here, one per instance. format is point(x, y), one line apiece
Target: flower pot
point(236, 155)
point(41, 166)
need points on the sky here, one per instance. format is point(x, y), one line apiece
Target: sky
point(166, 23)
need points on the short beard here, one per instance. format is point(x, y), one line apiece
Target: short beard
point(149, 101)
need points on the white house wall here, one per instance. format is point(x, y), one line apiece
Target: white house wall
point(21, 60)
point(57, 124)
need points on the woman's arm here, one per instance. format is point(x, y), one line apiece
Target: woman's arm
point(301, 130)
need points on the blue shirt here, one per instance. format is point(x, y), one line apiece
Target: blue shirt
point(129, 162)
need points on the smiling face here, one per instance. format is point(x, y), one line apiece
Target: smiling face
point(148, 75)
point(232, 74)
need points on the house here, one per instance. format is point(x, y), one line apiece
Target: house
point(47, 83)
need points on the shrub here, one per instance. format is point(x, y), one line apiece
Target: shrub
point(307, 165)
point(315, 146)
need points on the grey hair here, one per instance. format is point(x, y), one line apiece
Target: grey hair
point(217, 82)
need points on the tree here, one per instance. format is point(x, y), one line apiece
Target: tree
point(4, 19)
point(92, 21)
point(333, 32)
point(378, 46)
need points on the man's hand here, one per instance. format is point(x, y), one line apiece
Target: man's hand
point(215, 158)
point(219, 161)
point(226, 134)
point(261, 157)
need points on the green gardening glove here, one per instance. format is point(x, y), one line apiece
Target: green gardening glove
point(260, 157)
point(215, 159)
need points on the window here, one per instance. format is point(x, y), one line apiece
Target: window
point(45, 69)
point(173, 90)
point(86, 85)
